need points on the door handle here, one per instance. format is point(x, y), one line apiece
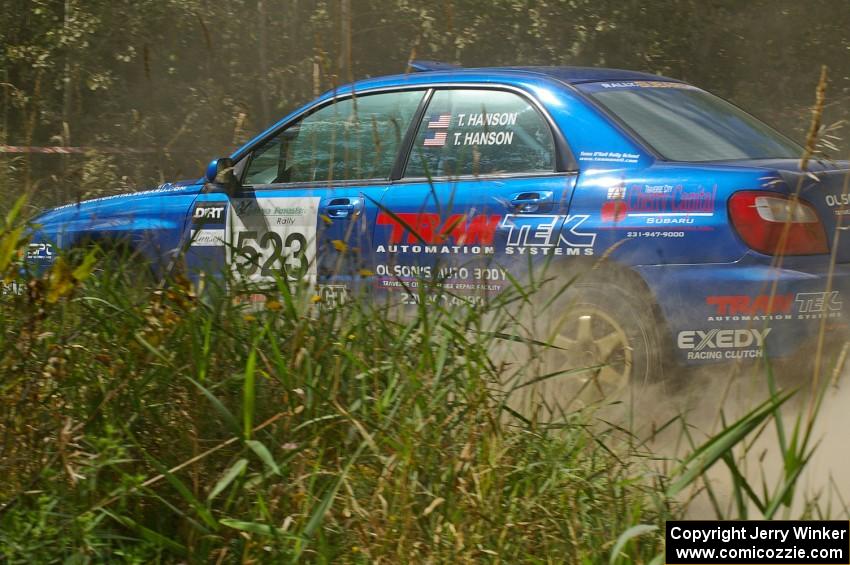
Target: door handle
point(341, 208)
point(532, 201)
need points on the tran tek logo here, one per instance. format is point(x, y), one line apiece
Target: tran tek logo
point(763, 304)
point(818, 302)
point(803, 305)
point(722, 344)
point(430, 228)
point(530, 230)
point(541, 234)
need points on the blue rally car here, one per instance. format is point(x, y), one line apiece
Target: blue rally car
point(679, 208)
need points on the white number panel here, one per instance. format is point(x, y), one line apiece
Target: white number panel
point(273, 237)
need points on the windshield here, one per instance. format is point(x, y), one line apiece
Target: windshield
point(684, 123)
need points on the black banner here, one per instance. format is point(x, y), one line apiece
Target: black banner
point(693, 542)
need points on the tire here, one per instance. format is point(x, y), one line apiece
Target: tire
point(117, 263)
point(609, 330)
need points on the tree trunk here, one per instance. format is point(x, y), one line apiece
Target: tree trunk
point(263, 60)
point(344, 66)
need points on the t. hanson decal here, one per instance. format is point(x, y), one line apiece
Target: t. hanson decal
point(723, 344)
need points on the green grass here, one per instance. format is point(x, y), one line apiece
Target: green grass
point(145, 424)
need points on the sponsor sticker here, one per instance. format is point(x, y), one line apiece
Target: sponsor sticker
point(208, 225)
point(273, 237)
point(723, 343)
point(40, 252)
point(332, 295)
point(164, 189)
point(661, 204)
point(526, 234)
point(12, 288)
point(547, 234)
point(636, 84)
point(840, 203)
point(609, 157)
point(788, 306)
point(447, 285)
point(431, 234)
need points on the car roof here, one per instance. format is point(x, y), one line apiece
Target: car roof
point(577, 75)
point(571, 75)
point(428, 71)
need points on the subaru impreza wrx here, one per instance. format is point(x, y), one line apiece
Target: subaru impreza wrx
point(716, 245)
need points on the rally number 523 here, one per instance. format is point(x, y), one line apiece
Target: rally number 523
point(270, 254)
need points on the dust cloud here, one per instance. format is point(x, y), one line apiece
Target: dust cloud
point(665, 421)
point(715, 395)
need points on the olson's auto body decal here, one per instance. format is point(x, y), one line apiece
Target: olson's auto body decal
point(840, 203)
point(273, 237)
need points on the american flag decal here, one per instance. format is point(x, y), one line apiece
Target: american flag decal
point(617, 193)
point(439, 121)
point(435, 139)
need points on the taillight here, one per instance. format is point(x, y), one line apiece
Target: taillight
point(760, 218)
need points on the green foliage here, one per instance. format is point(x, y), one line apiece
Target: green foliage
point(186, 81)
point(147, 424)
point(152, 425)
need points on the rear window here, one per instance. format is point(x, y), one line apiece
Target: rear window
point(684, 123)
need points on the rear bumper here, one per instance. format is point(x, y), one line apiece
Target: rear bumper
point(749, 310)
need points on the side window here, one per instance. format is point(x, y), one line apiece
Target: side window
point(352, 139)
point(480, 132)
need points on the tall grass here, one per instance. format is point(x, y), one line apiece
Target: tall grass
point(146, 424)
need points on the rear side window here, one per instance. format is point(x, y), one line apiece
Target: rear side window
point(480, 132)
point(352, 139)
point(683, 123)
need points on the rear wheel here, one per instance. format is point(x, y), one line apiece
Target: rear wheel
point(609, 335)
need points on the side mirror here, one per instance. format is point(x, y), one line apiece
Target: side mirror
point(220, 171)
